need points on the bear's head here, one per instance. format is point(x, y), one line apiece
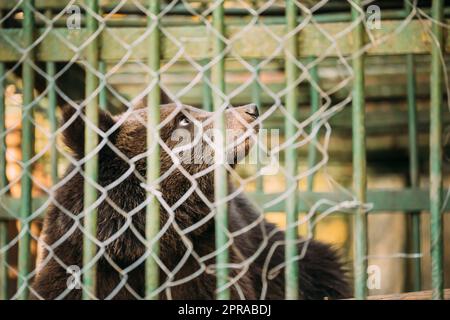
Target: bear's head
point(189, 141)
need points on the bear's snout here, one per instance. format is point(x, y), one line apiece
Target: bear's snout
point(251, 110)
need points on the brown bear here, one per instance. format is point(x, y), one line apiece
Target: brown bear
point(187, 245)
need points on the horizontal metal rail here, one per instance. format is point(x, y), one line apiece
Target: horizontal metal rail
point(174, 20)
point(413, 38)
point(401, 201)
point(332, 12)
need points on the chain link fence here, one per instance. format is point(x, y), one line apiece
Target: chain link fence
point(152, 204)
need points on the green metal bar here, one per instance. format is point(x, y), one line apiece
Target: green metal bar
point(384, 200)
point(27, 151)
point(153, 158)
point(91, 165)
point(51, 49)
point(3, 184)
point(3, 179)
point(291, 270)
point(359, 160)
point(207, 93)
point(172, 20)
point(436, 82)
point(315, 105)
point(238, 14)
point(50, 69)
point(220, 173)
point(413, 168)
point(256, 99)
point(3, 260)
point(103, 97)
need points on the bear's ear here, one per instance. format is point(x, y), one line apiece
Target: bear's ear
point(73, 134)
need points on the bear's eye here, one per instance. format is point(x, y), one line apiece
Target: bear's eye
point(184, 122)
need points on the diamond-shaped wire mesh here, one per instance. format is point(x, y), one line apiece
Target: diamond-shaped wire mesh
point(255, 55)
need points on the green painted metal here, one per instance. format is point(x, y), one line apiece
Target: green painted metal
point(291, 270)
point(315, 105)
point(413, 38)
point(336, 13)
point(207, 93)
point(436, 82)
point(3, 179)
point(220, 173)
point(153, 158)
point(413, 168)
point(91, 165)
point(359, 160)
point(256, 98)
point(172, 20)
point(384, 200)
point(27, 153)
point(50, 69)
point(3, 184)
point(3, 260)
point(414, 173)
point(103, 97)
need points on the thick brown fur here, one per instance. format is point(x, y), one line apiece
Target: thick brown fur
point(121, 223)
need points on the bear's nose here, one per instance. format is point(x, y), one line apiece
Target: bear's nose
point(252, 110)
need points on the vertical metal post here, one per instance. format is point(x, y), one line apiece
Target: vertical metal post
point(315, 105)
point(220, 173)
point(3, 184)
point(414, 175)
point(50, 69)
point(436, 82)
point(359, 160)
point(51, 112)
point(3, 179)
point(27, 151)
point(207, 97)
point(413, 167)
point(102, 95)
point(256, 99)
point(91, 165)
point(153, 158)
point(291, 271)
point(103, 101)
point(3, 261)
